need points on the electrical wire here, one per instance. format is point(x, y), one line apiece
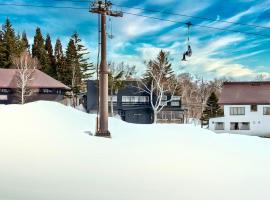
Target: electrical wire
point(145, 16)
point(190, 16)
point(74, 1)
point(203, 26)
point(173, 13)
point(43, 6)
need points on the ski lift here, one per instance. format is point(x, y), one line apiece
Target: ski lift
point(188, 53)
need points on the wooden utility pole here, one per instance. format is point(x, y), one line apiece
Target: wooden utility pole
point(103, 8)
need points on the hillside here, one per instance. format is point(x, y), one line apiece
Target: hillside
point(46, 154)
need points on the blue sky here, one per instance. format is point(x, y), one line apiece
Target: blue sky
point(136, 39)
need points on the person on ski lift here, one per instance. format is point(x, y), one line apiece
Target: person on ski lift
point(187, 53)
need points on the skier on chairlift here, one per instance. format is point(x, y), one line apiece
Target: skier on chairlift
point(189, 50)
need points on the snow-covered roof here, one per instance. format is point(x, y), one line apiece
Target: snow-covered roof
point(256, 92)
point(40, 80)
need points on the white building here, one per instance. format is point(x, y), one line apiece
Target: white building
point(246, 109)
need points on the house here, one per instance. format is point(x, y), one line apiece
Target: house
point(43, 87)
point(246, 109)
point(133, 105)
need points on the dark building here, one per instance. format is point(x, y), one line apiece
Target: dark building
point(42, 86)
point(133, 105)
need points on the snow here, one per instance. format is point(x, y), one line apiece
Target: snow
point(46, 154)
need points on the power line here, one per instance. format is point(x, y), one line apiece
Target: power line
point(177, 14)
point(151, 17)
point(74, 1)
point(196, 17)
point(203, 26)
point(43, 6)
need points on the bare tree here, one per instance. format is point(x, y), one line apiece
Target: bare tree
point(25, 66)
point(117, 74)
point(157, 90)
point(159, 82)
point(195, 92)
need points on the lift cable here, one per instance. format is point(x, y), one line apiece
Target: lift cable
point(135, 14)
point(173, 13)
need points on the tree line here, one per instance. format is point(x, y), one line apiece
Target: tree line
point(71, 66)
point(198, 97)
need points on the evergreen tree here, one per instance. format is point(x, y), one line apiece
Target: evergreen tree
point(2, 52)
point(39, 51)
point(72, 72)
point(25, 41)
point(51, 65)
point(8, 45)
point(161, 65)
point(86, 68)
point(20, 46)
point(38, 44)
point(212, 108)
point(59, 61)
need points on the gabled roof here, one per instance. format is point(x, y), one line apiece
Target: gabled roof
point(40, 80)
point(257, 92)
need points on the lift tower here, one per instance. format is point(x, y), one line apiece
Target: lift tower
point(103, 8)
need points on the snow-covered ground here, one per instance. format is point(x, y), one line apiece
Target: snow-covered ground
point(46, 154)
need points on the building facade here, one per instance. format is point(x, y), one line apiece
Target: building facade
point(42, 86)
point(246, 109)
point(133, 105)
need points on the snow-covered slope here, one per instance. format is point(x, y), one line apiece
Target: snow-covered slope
point(46, 154)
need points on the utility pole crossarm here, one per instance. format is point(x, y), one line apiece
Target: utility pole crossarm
point(103, 8)
point(100, 7)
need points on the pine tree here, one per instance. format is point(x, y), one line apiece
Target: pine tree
point(39, 51)
point(212, 108)
point(59, 61)
point(38, 44)
point(86, 68)
point(2, 52)
point(161, 65)
point(20, 46)
point(73, 76)
point(9, 46)
point(51, 65)
point(72, 72)
point(25, 41)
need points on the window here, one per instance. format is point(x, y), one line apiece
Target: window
point(175, 98)
point(244, 126)
point(164, 103)
point(237, 111)
point(253, 108)
point(219, 125)
point(58, 91)
point(135, 99)
point(3, 97)
point(266, 110)
point(4, 90)
point(175, 103)
point(112, 98)
point(164, 98)
point(46, 91)
point(240, 126)
point(234, 126)
point(169, 116)
point(143, 99)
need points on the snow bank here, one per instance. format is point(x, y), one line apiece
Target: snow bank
point(46, 154)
